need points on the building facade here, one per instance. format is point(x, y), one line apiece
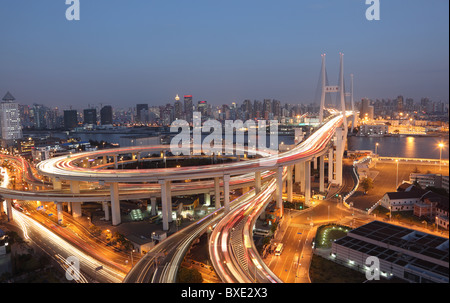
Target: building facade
point(11, 128)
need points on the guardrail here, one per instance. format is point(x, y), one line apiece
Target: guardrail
point(355, 171)
point(415, 160)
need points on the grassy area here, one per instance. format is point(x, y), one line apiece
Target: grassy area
point(327, 234)
point(326, 271)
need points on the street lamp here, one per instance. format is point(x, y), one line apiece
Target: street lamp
point(396, 182)
point(376, 153)
point(441, 146)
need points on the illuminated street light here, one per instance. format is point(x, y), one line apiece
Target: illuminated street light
point(396, 184)
point(441, 146)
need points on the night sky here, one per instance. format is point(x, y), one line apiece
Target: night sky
point(124, 52)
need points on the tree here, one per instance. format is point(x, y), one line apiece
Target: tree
point(366, 184)
point(186, 275)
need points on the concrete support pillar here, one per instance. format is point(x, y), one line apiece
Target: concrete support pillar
point(9, 209)
point(330, 165)
point(226, 193)
point(257, 182)
point(340, 142)
point(57, 185)
point(302, 176)
point(76, 209)
point(115, 204)
point(59, 212)
point(169, 201)
point(69, 207)
point(322, 174)
point(207, 199)
point(106, 210)
point(279, 190)
point(315, 160)
point(297, 173)
point(116, 164)
point(217, 192)
point(164, 204)
point(153, 204)
point(105, 160)
point(308, 183)
point(290, 184)
point(139, 157)
point(75, 187)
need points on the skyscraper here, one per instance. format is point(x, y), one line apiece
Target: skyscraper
point(139, 108)
point(366, 111)
point(39, 116)
point(188, 108)
point(178, 109)
point(90, 116)
point(11, 128)
point(70, 119)
point(202, 107)
point(106, 116)
point(400, 104)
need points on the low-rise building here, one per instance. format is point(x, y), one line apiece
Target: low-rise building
point(433, 206)
point(426, 180)
point(444, 183)
point(400, 201)
point(373, 130)
point(403, 253)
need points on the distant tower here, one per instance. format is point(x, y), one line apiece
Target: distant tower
point(11, 128)
point(333, 89)
point(188, 108)
point(106, 116)
point(353, 104)
point(178, 108)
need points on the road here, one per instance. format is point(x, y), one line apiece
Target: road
point(161, 264)
point(60, 250)
point(385, 176)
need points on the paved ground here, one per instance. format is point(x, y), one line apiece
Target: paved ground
point(384, 176)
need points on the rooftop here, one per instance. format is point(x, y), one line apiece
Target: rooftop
point(8, 97)
point(399, 245)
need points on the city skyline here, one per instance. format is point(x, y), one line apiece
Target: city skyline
point(148, 52)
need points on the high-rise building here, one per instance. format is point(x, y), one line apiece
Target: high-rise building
point(70, 119)
point(425, 105)
point(179, 110)
point(409, 104)
point(139, 108)
point(257, 109)
point(366, 111)
point(188, 108)
point(400, 105)
point(90, 116)
point(202, 107)
point(11, 128)
point(106, 115)
point(276, 108)
point(39, 116)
